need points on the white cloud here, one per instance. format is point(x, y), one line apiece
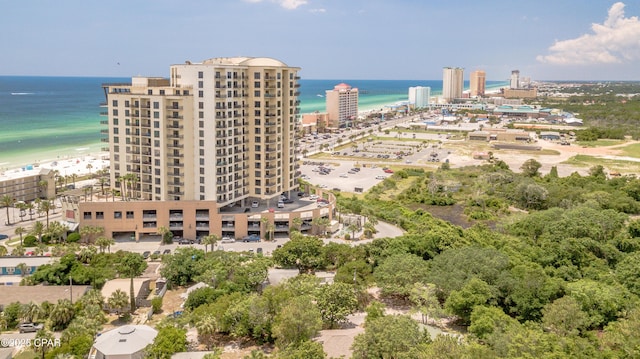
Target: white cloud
point(318, 10)
point(291, 4)
point(287, 4)
point(616, 40)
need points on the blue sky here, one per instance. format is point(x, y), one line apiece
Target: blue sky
point(328, 39)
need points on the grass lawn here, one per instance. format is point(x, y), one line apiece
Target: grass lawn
point(401, 185)
point(600, 143)
point(611, 165)
point(632, 150)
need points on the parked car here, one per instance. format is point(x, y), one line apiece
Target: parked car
point(146, 254)
point(288, 200)
point(313, 197)
point(344, 175)
point(166, 251)
point(380, 177)
point(227, 240)
point(280, 204)
point(251, 238)
point(301, 194)
point(185, 241)
point(29, 327)
point(388, 170)
point(255, 204)
point(3, 236)
point(156, 253)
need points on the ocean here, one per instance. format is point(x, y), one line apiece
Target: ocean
point(44, 119)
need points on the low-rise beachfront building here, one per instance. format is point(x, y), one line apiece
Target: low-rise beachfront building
point(28, 183)
point(127, 220)
point(520, 93)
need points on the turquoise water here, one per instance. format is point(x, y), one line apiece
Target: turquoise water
point(47, 118)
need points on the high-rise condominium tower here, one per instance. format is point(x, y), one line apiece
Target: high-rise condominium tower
point(477, 83)
point(452, 83)
point(219, 130)
point(419, 96)
point(515, 79)
point(342, 105)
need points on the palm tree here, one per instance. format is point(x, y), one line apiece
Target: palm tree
point(321, 223)
point(22, 267)
point(23, 208)
point(38, 230)
point(166, 234)
point(31, 312)
point(19, 232)
point(89, 167)
point(103, 181)
point(296, 223)
point(118, 301)
point(207, 327)
point(31, 207)
point(42, 186)
point(210, 239)
point(104, 242)
point(45, 207)
point(353, 228)
point(131, 265)
point(7, 201)
point(265, 224)
point(61, 314)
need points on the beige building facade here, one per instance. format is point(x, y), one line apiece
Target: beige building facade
point(342, 105)
point(221, 130)
point(28, 184)
point(452, 83)
point(477, 83)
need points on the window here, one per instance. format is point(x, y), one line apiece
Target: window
point(129, 214)
point(256, 76)
point(200, 93)
point(200, 84)
point(200, 114)
point(256, 93)
point(201, 124)
point(200, 74)
point(156, 114)
point(156, 124)
point(257, 104)
point(256, 84)
point(117, 215)
point(115, 122)
point(258, 183)
point(201, 105)
point(87, 215)
point(202, 180)
point(115, 112)
point(99, 215)
point(162, 92)
point(115, 103)
point(202, 189)
point(156, 105)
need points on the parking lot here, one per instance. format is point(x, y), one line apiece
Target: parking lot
point(340, 178)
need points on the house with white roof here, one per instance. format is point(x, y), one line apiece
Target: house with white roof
point(126, 342)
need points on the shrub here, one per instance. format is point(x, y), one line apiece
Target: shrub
point(73, 237)
point(347, 236)
point(30, 241)
point(156, 304)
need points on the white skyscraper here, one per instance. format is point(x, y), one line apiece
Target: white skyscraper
point(452, 83)
point(515, 79)
point(419, 96)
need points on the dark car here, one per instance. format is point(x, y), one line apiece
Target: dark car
point(288, 200)
point(251, 238)
point(166, 251)
point(156, 253)
point(3, 236)
point(29, 327)
point(301, 194)
point(146, 254)
point(185, 241)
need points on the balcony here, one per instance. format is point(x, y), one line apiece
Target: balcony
point(175, 137)
point(104, 122)
point(175, 164)
point(175, 127)
point(179, 193)
point(178, 108)
point(175, 145)
point(175, 155)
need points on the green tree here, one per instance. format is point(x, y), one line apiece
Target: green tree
point(104, 243)
point(302, 252)
point(19, 231)
point(485, 321)
point(62, 314)
point(38, 230)
point(131, 265)
point(167, 235)
point(397, 274)
point(425, 301)
point(7, 202)
point(170, 340)
point(299, 320)
point(564, 317)
point(475, 292)
point(46, 206)
point(336, 301)
point(42, 335)
point(307, 349)
point(211, 239)
point(530, 168)
point(119, 301)
point(391, 336)
point(207, 327)
point(621, 339)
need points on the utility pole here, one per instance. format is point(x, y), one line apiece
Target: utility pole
point(71, 289)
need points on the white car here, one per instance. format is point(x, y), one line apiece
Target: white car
point(313, 197)
point(280, 204)
point(227, 240)
point(344, 175)
point(380, 177)
point(255, 204)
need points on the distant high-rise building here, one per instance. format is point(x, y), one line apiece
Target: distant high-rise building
point(515, 79)
point(342, 105)
point(419, 96)
point(452, 83)
point(477, 82)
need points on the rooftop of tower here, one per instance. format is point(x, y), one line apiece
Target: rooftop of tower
point(245, 61)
